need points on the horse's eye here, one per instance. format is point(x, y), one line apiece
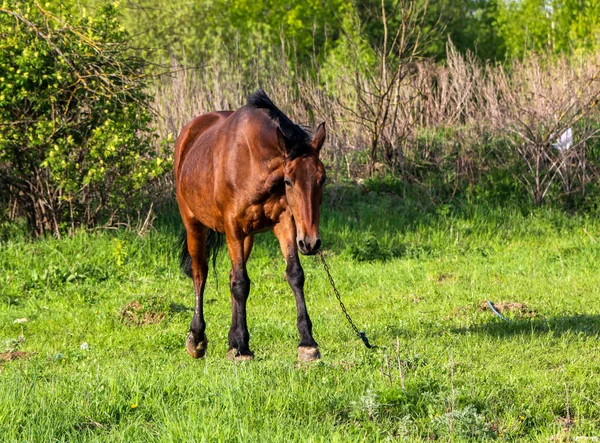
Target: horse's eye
point(287, 182)
point(322, 181)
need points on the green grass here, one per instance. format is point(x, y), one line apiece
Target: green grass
point(413, 277)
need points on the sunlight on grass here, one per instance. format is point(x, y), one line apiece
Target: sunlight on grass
point(416, 280)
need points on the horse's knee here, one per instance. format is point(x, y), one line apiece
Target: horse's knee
point(295, 274)
point(240, 285)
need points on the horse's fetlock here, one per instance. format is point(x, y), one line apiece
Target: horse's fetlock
point(198, 326)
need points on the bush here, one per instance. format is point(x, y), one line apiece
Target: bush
point(76, 145)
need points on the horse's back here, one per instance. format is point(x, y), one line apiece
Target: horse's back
point(193, 130)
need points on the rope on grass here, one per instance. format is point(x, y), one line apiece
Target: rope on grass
point(495, 311)
point(360, 334)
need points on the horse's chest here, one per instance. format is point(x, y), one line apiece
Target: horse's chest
point(263, 216)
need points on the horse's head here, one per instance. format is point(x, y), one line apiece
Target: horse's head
point(304, 178)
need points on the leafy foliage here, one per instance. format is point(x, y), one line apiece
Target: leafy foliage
point(76, 142)
point(492, 29)
point(201, 30)
point(556, 26)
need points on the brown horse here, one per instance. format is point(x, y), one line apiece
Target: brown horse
point(240, 173)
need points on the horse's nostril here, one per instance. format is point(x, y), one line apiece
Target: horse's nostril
point(301, 244)
point(317, 244)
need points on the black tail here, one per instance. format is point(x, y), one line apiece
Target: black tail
point(214, 242)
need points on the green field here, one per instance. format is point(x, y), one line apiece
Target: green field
point(414, 277)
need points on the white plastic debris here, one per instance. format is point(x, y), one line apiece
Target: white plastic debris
point(84, 346)
point(565, 141)
point(20, 320)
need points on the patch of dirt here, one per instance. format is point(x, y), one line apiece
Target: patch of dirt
point(88, 424)
point(136, 314)
point(345, 365)
point(566, 422)
point(518, 309)
point(415, 298)
point(444, 277)
point(14, 355)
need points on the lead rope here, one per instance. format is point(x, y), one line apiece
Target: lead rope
point(495, 311)
point(361, 334)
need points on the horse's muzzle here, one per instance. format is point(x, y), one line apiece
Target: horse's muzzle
point(309, 246)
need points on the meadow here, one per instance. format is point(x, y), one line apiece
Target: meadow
point(101, 354)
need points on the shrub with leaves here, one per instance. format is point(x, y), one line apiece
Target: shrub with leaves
point(76, 147)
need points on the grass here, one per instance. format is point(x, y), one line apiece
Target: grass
point(101, 356)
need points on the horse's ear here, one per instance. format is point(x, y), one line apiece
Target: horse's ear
point(319, 137)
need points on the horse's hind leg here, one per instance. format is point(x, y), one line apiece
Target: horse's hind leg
point(248, 243)
point(197, 343)
point(239, 338)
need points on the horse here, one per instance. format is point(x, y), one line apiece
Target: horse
point(239, 173)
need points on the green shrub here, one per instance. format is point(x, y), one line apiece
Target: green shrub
point(76, 145)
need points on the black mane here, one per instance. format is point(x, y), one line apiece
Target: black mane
point(298, 137)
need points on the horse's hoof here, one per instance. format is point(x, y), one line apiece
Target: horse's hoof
point(308, 353)
point(196, 350)
point(234, 354)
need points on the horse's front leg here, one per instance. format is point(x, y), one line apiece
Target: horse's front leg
point(285, 231)
point(239, 283)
